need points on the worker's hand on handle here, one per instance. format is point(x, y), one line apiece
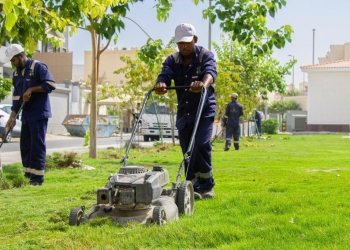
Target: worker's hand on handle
point(11, 123)
point(13, 116)
point(27, 95)
point(196, 86)
point(160, 88)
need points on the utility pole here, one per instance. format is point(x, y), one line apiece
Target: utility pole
point(293, 70)
point(209, 31)
point(313, 46)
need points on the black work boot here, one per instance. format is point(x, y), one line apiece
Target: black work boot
point(236, 146)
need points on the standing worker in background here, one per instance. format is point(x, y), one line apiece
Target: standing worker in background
point(231, 120)
point(258, 122)
point(32, 84)
point(195, 67)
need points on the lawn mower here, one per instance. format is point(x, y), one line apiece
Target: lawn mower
point(135, 193)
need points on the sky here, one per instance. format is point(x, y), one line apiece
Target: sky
point(329, 18)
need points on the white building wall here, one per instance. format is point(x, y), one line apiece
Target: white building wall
point(329, 97)
point(59, 100)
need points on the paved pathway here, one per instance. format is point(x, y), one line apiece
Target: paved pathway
point(15, 156)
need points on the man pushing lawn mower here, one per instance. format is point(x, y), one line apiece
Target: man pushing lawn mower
point(195, 67)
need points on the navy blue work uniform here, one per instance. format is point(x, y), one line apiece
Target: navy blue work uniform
point(199, 169)
point(258, 122)
point(35, 114)
point(234, 110)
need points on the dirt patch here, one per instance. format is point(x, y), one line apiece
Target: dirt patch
point(323, 170)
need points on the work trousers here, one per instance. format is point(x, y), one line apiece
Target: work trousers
point(258, 127)
point(234, 131)
point(33, 149)
point(199, 170)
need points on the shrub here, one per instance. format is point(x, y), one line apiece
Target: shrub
point(270, 126)
point(62, 160)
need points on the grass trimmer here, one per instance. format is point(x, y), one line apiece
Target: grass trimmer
point(216, 136)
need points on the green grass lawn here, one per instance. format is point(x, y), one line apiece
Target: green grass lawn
point(285, 192)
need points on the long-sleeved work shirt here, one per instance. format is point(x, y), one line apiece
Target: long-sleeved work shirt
point(188, 102)
point(234, 110)
point(38, 107)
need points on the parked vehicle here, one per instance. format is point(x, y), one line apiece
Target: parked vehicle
point(16, 131)
point(151, 124)
point(6, 108)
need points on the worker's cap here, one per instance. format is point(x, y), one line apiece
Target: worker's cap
point(11, 51)
point(235, 95)
point(184, 33)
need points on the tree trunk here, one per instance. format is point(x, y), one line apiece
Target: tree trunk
point(93, 101)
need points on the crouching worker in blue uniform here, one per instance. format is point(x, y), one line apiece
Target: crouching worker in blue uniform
point(32, 84)
point(195, 67)
point(231, 120)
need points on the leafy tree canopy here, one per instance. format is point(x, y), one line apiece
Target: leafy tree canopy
point(281, 107)
point(26, 22)
point(245, 20)
point(5, 87)
point(252, 76)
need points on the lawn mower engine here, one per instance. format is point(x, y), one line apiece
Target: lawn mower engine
point(137, 194)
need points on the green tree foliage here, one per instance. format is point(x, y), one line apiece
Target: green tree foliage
point(251, 76)
point(281, 107)
point(261, 105)
point(5, 87)
point(245, 20)
point(26, 22)
point(104, 20)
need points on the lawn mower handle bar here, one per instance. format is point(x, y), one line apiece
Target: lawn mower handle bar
point(204, 92)
point(175, 87)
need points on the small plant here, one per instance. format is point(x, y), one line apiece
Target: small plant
point(156, 143)
point(270, 126)
point(134, 145)
point(62, 160)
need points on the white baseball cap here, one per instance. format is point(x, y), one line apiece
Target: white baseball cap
point(11, 51)
point(234, 95)
point(184, 33)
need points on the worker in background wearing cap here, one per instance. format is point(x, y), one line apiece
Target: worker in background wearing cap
point(32, 83)
point(195, 67)
point(231, 120)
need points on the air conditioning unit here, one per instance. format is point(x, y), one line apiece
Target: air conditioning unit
point(300, 123)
